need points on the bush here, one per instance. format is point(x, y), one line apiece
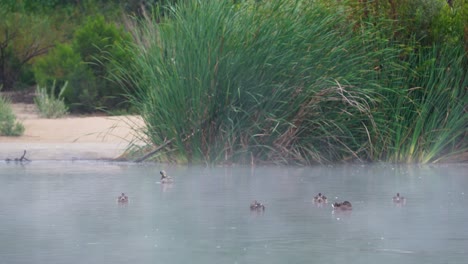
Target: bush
point(49, 105)
point(8, 124)
point(426, 21)
point(97, 41)
point(449, 25)
point(63, 65)
point(33, 5)
point(61, 62)
point(85, 65)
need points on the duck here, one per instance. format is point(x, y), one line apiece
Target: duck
point(122, 198)
point(320, 198)
point(344, 206)
point(255, 205)
point(165, 178)
point(399, 199)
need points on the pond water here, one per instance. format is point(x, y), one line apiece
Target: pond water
point(66, 212)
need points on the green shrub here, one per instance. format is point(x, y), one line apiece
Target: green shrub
point(59, 64)
point(85, 65)
point(62, 65)
point(33, 5)
point(8, 124)
point(97, 41)
point(426, 21)
point(450, 23)
point(416, 18)
point(49, 105)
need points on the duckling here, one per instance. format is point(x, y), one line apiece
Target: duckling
point(257, 206)
point(165, 178)
point(344, 206)
point(122, 198)
point(399, 199)
point(320, 198)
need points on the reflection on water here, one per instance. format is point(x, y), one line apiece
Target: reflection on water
point(68, 213)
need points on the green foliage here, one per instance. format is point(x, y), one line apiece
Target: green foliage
point(48, 6)
point(96, 41)
point(96, 38)
point(8, 124)
point(33, 5)
point(141, 7)
point(292, 82)
point(23, 37)
point(427, 21)
point(450, 23)
point(61, 62)
point(17, 74)
point(63, 65)
point(427, 122)
point(276, 82)
point(84, 64)
point(417, 17)
point(49, 105)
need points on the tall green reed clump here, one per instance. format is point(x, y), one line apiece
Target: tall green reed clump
point(281, 81)
point(427, 117)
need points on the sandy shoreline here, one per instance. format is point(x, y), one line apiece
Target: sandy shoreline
point(70, 138)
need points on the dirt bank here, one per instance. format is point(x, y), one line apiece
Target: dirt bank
point(71, 137)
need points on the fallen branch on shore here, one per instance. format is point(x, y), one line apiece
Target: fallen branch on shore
point(151, 153)
point(22, 159)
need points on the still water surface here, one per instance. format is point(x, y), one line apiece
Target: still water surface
point(67, 212)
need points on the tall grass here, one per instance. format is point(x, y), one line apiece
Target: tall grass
point(429, 118)
point(50, 105)
point(276, 81)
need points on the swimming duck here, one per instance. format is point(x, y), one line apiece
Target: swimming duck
point(122, 198)
point(165, 178)
point(344, 206)
point(320, 198)
point(257, 206)
point(399, 199)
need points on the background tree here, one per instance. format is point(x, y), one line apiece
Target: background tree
point(22, 38)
